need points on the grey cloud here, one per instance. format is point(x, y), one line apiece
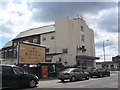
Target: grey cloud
point(106, 44)
point(109, 22)
point(52, 10)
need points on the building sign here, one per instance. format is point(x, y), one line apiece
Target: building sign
point(31, 54)
point(86, 57)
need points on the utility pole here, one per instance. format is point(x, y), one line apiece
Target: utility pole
point(104, 49)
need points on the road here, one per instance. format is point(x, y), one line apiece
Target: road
point(104, 82)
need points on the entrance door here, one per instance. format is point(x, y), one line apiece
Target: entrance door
point(82, 64)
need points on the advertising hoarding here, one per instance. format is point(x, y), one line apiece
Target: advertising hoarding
point(31, 54)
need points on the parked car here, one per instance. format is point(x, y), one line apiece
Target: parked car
point(89, 70)
point(73, 74)
point(14, 76)
point(99, 72)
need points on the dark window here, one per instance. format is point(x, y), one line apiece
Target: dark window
point(82, 36)
point(44, 38)
point(75, 70)
point(65, 50)
point(35, 40)
point(47, 49)
point(59, 59)
point(15, 53)
point(7, 70)
point(52, 37)
point(82, 28)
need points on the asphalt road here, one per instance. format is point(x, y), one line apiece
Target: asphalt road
point(91, 84)
point(104, 82)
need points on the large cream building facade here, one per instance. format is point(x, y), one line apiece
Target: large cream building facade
point(69, 37)
point(68, 41)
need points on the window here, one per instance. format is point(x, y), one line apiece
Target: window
point(15, 44)
point(26, 40)
point(34, 40)
point(17, 71)
point(44, 38)
point(15, 53)
point(65, 50)
point(52, 37)
point(47, 49)
point(82, 36)
point(75, 70)
point(10, 50)
point(60, 59)
point(6, 70)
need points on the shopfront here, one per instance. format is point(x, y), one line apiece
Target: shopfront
point(84, 61)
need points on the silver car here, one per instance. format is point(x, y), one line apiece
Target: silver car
point(73, 74)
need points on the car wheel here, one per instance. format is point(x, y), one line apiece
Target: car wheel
point(108, 75)
point(100, 75)
point(87, 77)
point(91, 76)
point(32, 83)
point(73, 78)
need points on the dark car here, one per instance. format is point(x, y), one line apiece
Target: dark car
point(14, 76)
point(73, 74)
point(99, 72)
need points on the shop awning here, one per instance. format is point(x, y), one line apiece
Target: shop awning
point(86, 57)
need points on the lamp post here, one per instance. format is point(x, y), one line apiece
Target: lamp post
point(104, 49)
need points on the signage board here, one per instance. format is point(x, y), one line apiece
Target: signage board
point(30, 54)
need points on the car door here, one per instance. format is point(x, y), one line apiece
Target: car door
point(7, 76)
point(82, 74)
point(19, 76)
point(104, 72)
point(76, 73)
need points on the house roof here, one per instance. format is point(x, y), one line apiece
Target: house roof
point(36, 31)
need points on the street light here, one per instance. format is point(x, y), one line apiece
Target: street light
point(104, 49)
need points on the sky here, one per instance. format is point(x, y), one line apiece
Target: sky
point(20, 15)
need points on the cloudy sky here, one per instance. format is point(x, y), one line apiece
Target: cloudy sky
point(102, 17)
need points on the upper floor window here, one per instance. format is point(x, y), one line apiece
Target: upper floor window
point(35, 40)
point(15, 44)
point(65, 50)
point(44, 38)
point(10, 50)
point(52, 37)
point(47, 49)
point(26, 41)
point(82, 36)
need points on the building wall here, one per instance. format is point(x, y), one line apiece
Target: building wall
point(6, 53)
point(110, 65)
point(68, 36)
point(65, 40)
point(32, 39)
point(49, 41)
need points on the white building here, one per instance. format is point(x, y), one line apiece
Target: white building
point(69, 41)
